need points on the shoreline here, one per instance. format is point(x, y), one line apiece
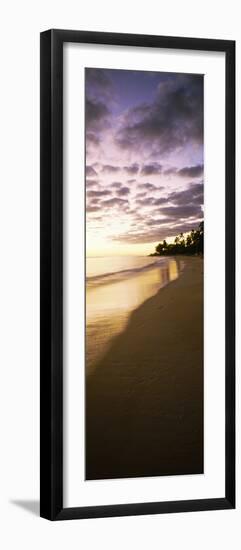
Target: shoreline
point(110, 304)
point(144, 400)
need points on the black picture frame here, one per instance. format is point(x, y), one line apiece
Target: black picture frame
point(51, 325)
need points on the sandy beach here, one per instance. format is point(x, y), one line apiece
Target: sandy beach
point(144, 399)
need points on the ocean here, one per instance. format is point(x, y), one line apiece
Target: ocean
point(116, 286)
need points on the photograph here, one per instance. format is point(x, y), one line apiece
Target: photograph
point(144, 265)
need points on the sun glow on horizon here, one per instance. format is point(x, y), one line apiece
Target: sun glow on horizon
point(107, 248)
point(122, 250)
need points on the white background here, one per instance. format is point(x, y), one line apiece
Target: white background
point(21, 23)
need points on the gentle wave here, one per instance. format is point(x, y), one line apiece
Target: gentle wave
point(121, 274)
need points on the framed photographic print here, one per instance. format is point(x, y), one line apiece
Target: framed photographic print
point(137, 274)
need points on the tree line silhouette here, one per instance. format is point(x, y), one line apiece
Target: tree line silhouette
point(191, 244)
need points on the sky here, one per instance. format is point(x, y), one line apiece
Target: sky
point(144, 158)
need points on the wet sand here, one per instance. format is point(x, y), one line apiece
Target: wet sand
point(109, 304)
point(144, 400)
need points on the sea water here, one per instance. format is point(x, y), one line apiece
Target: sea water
point(115, 286)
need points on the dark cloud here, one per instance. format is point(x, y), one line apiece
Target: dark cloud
point(92, 139)
point(90, 171)
point(96, 115)
point(102, 193)
point(115, 202)
point(92, 208)
point(93, 200)
point(116, 184)
point(192, 195)
point(123, 191)
point(149, 187)
point(110, 169)
point(151, 169)
point(161, 200)
point(146, 201)
point(97, 81)
point(131, 181)
point(169, 171)
point(180, 212)
point(174, 119)
point(132, 168)
point(191, 171)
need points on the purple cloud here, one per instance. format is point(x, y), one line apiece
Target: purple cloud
point(110, 169)
point(173, 119)
point(98, 82)
point(146, 201)
point(115, 202)
point(180, 212)
point(96, 114)
point(169, 171)
point(151, 169)
point(101, 193)
point(92, 139)
point(92, 208)
point(123, 191)
point(191, 171)
point(192, 195)
point(116, 184)
point(90, 172)
point(149, 187)
point(161, 200)
point(132, 168)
